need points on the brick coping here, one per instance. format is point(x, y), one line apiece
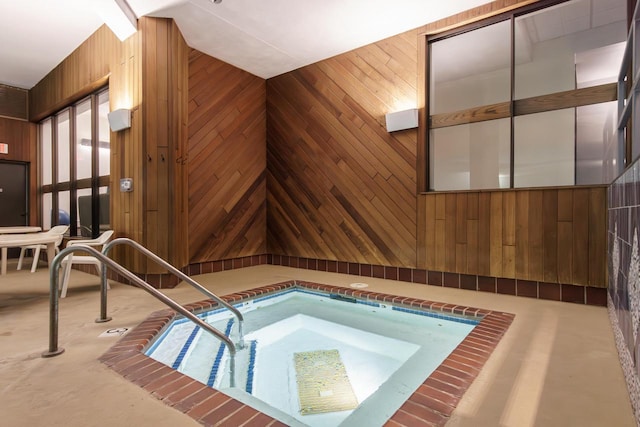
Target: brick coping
point(431, 404)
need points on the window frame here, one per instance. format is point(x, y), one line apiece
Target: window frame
point(510, 109)
point(94, 182)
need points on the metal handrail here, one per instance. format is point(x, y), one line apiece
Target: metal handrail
point(172, 269)
point(54, 350)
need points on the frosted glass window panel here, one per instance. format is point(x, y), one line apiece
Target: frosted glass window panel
point(45, 145)
point(544, 149)
point(47, 205)
point(104, 135)
point(470, 157)
point(64, 207)
point(83, 139)
point(572, 45)
point(64, 165)
point(596, 140)
point(471, 69)
point(82, 230)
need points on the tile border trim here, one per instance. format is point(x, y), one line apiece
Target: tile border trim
point(433, 402)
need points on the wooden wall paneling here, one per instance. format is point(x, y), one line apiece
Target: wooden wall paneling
point(550, 228)
point(14, 102)
point(545, 235)
point(329, 119)
point(226, 154)
point(429, 218)
point(565, 235)
point(580, 242)
point(461, 237)
point(441, 232)
point(472, 224)
point(509, 234)
point(597, 237)
point(496, 230)
point(82, 72)
point(522, 235)
point(450, 232)
point(484, 234)
point(536, 235)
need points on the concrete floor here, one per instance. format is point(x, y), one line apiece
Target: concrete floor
point(556, 366)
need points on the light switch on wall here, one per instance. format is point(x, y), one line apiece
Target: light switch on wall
point(126, 185)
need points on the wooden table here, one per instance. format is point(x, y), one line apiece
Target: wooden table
point(18, 240)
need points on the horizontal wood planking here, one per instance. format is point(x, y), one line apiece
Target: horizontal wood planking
point(340, 186)
point(553, 235)
point(226, 161)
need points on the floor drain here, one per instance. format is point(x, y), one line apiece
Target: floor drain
point(114, 332)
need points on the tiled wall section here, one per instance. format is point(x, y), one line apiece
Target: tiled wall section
point(498, 285)
point(524, 288)
point(624, 275)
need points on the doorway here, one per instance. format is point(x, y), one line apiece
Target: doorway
point(14, 201)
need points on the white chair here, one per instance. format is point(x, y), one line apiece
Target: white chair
point(35, 249)
point(71, 259)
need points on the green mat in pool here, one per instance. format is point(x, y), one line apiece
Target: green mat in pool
point(323, 384)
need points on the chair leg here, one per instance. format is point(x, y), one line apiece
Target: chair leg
point(36, 258)
point(22, 251)
point(66, 271)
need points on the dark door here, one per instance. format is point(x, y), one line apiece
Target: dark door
point(13, 194)
point(14, 204)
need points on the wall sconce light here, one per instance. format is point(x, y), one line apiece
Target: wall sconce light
point(400, 120)
point(119, 119)
point(119, 17)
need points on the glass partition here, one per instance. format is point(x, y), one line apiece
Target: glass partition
point(471, 157)
point(544, 149)
point(63, 146)
point(471, 69)
point(572, 45)
point(84, 150)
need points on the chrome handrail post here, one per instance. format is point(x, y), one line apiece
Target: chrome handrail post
point(103, 295)
point(53, 350)
point(181, 275)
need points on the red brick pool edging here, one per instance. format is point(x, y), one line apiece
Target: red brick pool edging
point(430, 405)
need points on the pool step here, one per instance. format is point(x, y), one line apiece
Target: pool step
point(192, 351)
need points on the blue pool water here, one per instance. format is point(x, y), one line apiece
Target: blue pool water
point(387, 352)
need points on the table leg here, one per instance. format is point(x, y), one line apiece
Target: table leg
point(51, 253)
point(3, 268)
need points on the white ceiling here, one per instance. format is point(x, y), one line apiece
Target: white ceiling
point(263, 37)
